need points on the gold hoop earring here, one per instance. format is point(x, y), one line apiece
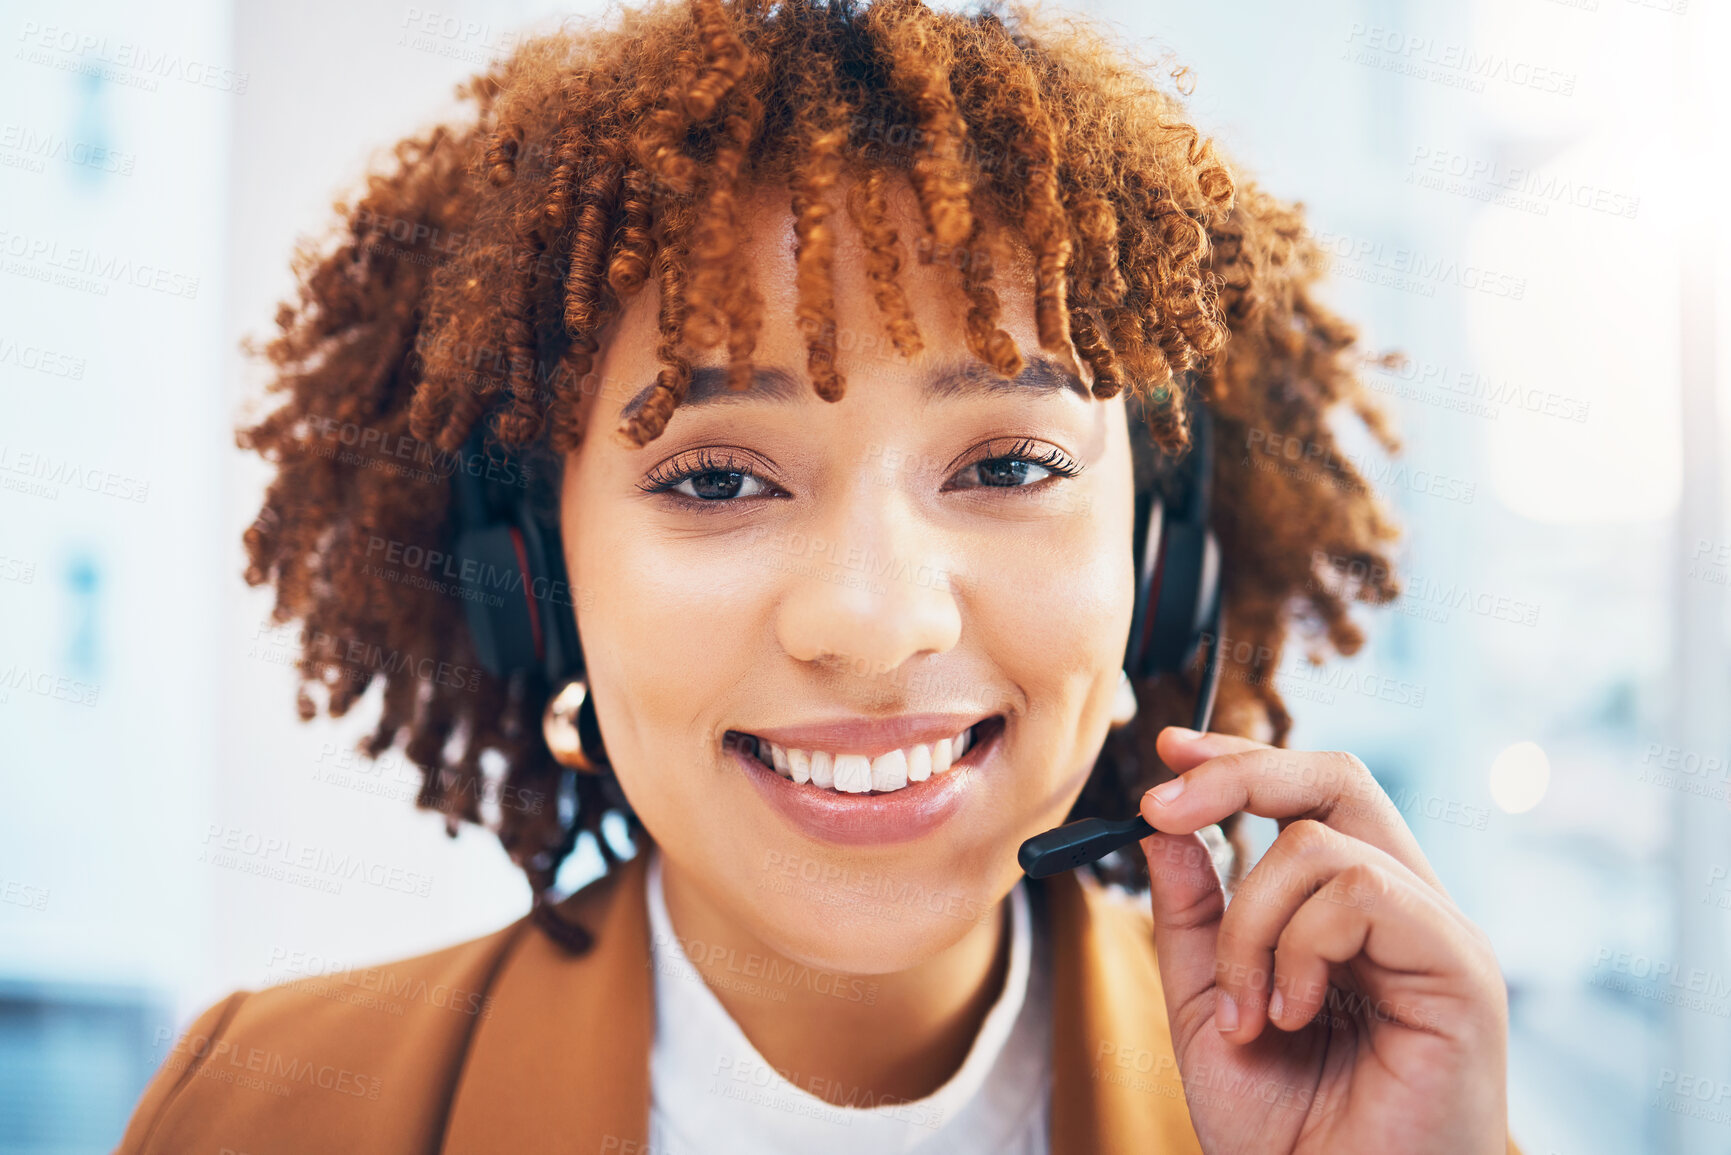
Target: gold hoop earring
point(572, 731)
point(1124, 702)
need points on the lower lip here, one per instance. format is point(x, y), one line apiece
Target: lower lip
point(862, 819)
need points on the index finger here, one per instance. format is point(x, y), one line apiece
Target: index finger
point(1221, 774)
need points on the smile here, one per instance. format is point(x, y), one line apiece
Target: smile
point(863, 781)
point(841, 771)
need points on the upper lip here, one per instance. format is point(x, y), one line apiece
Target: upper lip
point(867, 736)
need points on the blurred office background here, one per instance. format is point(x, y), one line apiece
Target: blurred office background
point(1525, 196)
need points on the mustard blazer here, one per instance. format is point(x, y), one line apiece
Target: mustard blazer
point(507, 1044)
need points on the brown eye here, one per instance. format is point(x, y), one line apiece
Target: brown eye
point(716, 484)
point(1007, 472)
point(1023, 467)
point(707, 476)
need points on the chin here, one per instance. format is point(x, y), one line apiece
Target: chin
point(882, 930)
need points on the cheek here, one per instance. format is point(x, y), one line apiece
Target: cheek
point(666, 631)
point(686, 617)
point(1059, 614)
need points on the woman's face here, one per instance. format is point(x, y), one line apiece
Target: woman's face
point(851, 579)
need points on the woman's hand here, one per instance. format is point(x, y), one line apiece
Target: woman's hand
point(1342, 1003)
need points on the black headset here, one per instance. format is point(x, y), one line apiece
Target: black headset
point(515, 590)
point(519, 602)
point(1178, 579)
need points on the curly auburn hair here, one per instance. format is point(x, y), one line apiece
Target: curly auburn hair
point(467, 288)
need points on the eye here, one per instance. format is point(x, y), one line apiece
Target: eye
point(1022, 466)
point(708, 475)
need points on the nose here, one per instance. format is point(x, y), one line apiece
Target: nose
point(871, 586)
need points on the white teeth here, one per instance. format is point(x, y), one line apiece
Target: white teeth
point(890, 771)
point(858, 774)
point(853, 773)
point(919, 763)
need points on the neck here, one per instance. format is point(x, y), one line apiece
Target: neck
point(903, 1040)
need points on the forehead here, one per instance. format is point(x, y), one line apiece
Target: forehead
point(861, 281)
point(766, 214)
point(949, 380)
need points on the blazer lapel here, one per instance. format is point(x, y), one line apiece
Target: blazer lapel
point(1115, 1084)
point(562, 1061)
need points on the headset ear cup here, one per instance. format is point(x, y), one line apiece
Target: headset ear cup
point(1150, 516)
point(495, 599)
point(1178, 587)
point(551, 599)
point(1208, 607)
point(1181, 606)
point(519, 606)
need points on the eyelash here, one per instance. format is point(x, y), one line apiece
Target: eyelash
point(1052, 459)
point(664, 477)
point(667, 476)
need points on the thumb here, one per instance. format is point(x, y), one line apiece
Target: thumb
point(1188, 905)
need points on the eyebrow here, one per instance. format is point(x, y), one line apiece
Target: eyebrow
point(1040, 375)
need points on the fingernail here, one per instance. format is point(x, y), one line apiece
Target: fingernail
point(1167, 791)
point(1274, 1001)
point(1185, 733)
point(1225, 1012)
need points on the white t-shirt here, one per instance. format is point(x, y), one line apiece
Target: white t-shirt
point(713, 1094)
